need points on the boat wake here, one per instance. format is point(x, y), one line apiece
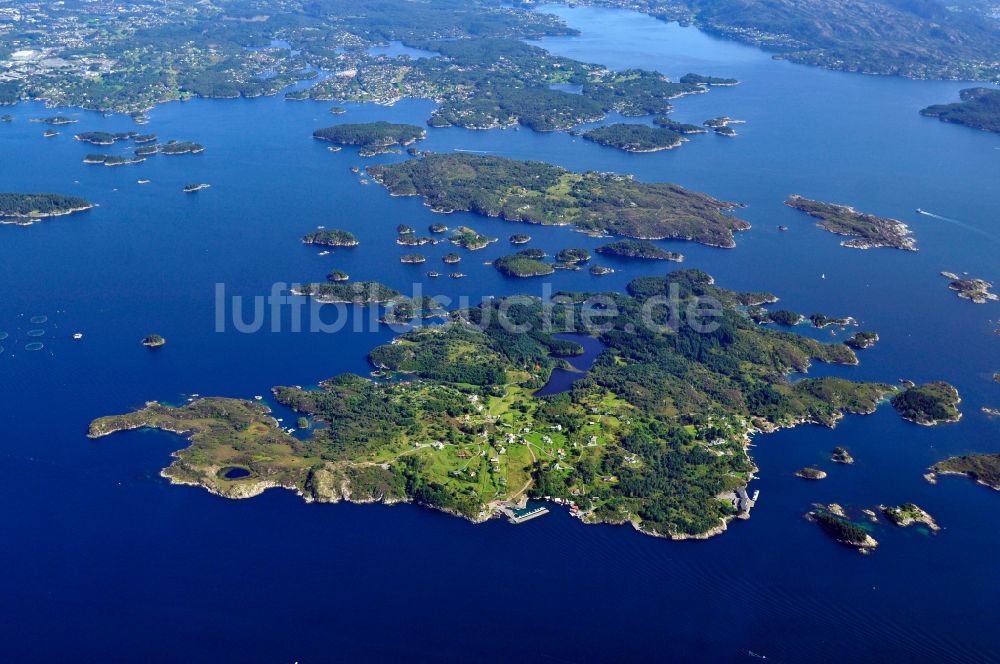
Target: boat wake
point(960, 224)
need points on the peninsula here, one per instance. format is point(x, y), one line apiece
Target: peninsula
point(929, 404)
point(979, 109)
point(865, 230)
point(981, 468)
point(638, 249)
point(540, 193)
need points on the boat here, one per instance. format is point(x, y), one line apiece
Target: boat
point(78, 336)
point(324, 253)
point(142, 181)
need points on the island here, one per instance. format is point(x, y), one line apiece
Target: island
point(335, 291)
point(6, 117)
point(468, 238)
point(55, 120)
point(438, 228)
point(573, 256)
point(24, 209)
point(634, 137)
point(337, 275)
point(153, 341)
point(600, 270)
point(638, 249)
point(540, 193)
point(331, 238)
point(832, 521)
point(976, 291)
point(112, 160)
point(451, 258)
point(865, 230)
point(180, 147)
point(784, 317)
point(523, 264)
point(520, 238)
point(372, 138)
point(908, 514)
point(841, 455)
point(811, 473)
point(722, 125)
point(929, 404)
point(414, 259)
point(862, 340)
point(103, 137)
point(655, 436)
point(979, 109)
point(981, 468)
point(820, 321)
point(197, 186)
point(709, 81)
point(678, 127)
point(50, 133)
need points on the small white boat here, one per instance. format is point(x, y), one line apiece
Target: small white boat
point(78, 336)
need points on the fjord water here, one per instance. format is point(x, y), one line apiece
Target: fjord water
point(104, 560)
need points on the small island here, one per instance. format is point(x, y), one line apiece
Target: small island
point(438, 228)
point(181, 147)
point(541, 193)
point(192, 188)
point(634, 137)
point(811, 473)
point(841, 455)
point(977, 291)
point(908, 514)
point(56, 120)
point(413, 259)
point(372, 138)
point(981, 468)
point(862, 340)
point(929, 404)
point(600, 270)
point(573, 256)
point(338, 292)
point(523, 264)
point(337, 275)
point(979, 109)
point(331, 238)
point(153, 341)
point(6, 117)
point(832, 521)
point(678, 127)
point(708, 81)
point(112, 160)
point(640, 249)
point(520, 238)
point(865, 230)
point(467, 238)
point(24, 209)
point(820, 321)
point(784, 317)
point(451, 258)
point(103, 137)
point(723, 125)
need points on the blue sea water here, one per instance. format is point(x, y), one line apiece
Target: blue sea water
point(104, 560)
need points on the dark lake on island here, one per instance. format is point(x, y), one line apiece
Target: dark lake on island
point(562, 379)
point(112, 561)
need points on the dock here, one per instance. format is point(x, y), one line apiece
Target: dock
point(518, 516)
